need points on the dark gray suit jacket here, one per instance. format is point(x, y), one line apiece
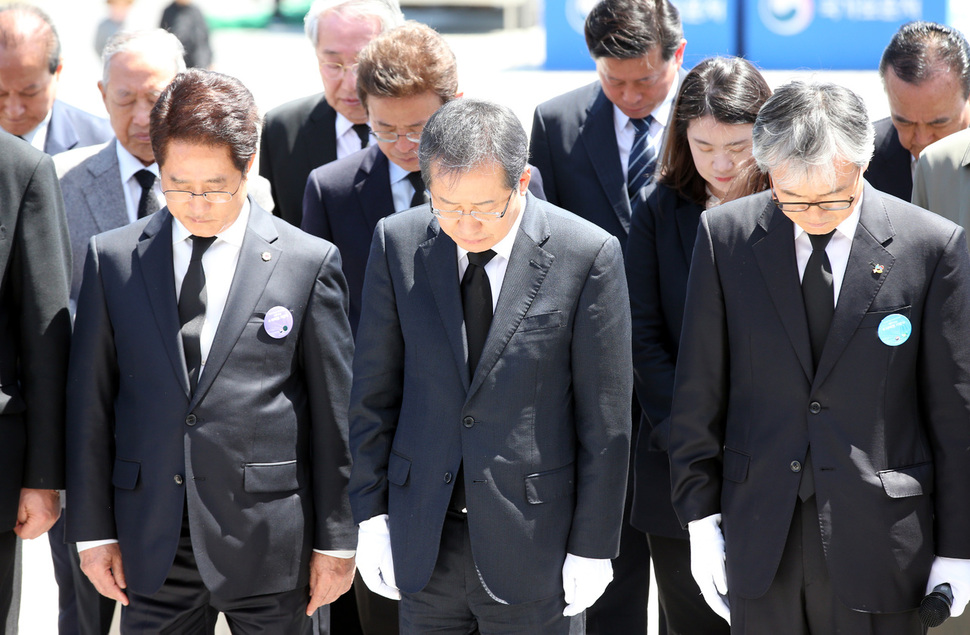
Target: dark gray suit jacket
point(71, 127)
point(882, 421)
point(258, 451)
point(890, 169)
point(542, 429)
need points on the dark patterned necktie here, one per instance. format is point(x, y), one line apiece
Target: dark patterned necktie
point(363, 132)
point(418, 184)
point(148, 203)
point(643, 157)
point(192, 301)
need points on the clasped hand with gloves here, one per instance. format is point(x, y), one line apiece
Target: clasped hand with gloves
point(707, 563)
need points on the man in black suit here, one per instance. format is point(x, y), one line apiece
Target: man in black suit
point(582, 142)
point(492, 384)
point(35, 329)
point(821, 409)
point(926, 73)
point(207, 440)
point(30, 68)
point(309, 132)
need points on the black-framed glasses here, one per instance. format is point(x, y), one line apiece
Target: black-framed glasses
point(335, 70)
point(184, 196)
point(455, 214)
point(828, 206)
point(391, 137)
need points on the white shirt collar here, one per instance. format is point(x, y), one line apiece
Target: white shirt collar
point(343, 125)
point(233, 234)
point(503, 247)
point(395, 172)
point(129, 164)
point(38, 136)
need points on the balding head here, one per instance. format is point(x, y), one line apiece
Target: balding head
point(30, 64)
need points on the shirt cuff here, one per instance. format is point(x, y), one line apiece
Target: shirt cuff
point(83, 545)
point(345, 554)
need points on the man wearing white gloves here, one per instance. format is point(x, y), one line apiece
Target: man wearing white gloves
point(491, 401)
point(821, 416)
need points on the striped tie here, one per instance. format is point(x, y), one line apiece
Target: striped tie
point(643, 157)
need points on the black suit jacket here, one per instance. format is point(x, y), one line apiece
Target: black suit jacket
point(71, 127)
point(297, 137)
point(890, 169)
point(343, 202)
point(658, 256)
point(258, 451)
point(541, 428)
point(35, 325)
point(883, 422)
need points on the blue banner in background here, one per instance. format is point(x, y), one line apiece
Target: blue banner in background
point(828, 34)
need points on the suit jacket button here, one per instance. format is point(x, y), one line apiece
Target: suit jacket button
point(468, 422)
point(178, 479)
point(447, 477)
point(190, 420)
point(815, 407)
point(795, 466)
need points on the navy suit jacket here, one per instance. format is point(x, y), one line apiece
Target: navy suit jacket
point(343, 202)
point(542, 428)
point(890, 169)
point(657, 265)
point(258, 451)
point(71, 127)
point(888, 425)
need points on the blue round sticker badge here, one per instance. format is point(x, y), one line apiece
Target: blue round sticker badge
point(895, 329)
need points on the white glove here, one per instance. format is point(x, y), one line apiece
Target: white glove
point(956, 573)
point(374, 557)
point(583, 581)
point(707, 563)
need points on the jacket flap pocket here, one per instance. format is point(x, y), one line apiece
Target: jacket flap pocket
point(544, 487)
point(914, 480)
point(872, 318)
point(261, 478)
point(735, 465)
point(398, 469)
point(10, 400)
point(549, 320)
point(125, 475)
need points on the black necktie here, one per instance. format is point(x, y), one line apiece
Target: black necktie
point(192, 301)
point(148, 203)
point(418, 184)
point(643, 157)
point(363, 132)
point(476, 301)
point(817, 294)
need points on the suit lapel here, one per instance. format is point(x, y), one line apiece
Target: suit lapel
point(252, 274)
point(859, 284)
point(599, 139)
point(154, 252)
point(106, 201)
point(373, 186)
point(320, 142)
point(528, 265)
point(775, 255)
point(439, 257)
point(61, 135)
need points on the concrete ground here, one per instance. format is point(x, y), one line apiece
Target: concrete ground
point(277, 64)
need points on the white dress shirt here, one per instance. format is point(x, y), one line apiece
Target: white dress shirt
point(496, 267)
point(401, 189)
point(625, 131)
point(129, 165)
point(347, 140)
point(837, 250)
point(38, 136)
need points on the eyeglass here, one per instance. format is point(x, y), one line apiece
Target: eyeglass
point(828, 206)
point(455, 214)
point(391, 137)
point(184, 196)
point(334, 70)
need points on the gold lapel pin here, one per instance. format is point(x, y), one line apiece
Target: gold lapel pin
point(266, 256)
point(877, 269)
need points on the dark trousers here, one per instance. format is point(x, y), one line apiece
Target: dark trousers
point(456, 602)
point(378, 614)
point(681, 601)
point(81, 609)
point(184, 606)
point(801, 600)
point(9, 581)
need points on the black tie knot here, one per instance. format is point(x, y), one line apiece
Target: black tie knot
point(480, 259)
point(414, 178)
point(363, 132)
point(145, 179)
point(820, 241)
point(199, 246)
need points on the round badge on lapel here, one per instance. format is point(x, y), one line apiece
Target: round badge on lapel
point(895, 329)
point(278, 322)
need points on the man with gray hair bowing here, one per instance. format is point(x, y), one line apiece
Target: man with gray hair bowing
point(490, 411)
point(821, 414)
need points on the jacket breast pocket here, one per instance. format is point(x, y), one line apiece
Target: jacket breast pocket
point(545, 487)
point(913, 480)
point(872, 319)
point(125, 474)
point(264, 478)
point(550, 320)
point(735, 465)
point(398, 469)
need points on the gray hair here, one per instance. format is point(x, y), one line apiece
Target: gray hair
point(804, 128)
point(466, 134)
point(153, 42)
point(387, 11)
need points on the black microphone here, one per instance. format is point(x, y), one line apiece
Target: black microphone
point(935, 607)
